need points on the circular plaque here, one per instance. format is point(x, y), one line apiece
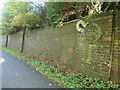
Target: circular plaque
point(92, 32)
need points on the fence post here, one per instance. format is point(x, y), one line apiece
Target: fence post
point(114, 72)
point(23, 39)
point(6, 41)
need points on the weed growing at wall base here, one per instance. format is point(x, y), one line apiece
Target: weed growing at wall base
point(18, 55)
point(75, 80)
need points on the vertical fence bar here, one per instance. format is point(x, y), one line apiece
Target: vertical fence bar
point(114, 62)
point(23, 40)
point(6, 41)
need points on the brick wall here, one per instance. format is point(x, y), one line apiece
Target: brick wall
point(52, 44)
point(115, 69)
point(3, 40)
point(67, 46)
point(94, 59)
point(15, 41)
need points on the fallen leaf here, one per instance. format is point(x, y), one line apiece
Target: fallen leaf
point(50, 84)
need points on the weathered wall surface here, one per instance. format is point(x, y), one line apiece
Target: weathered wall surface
point(52, 44)
point(118, 45)
point(94, 58)
point(15, 41)
point(67, 46)
point(3, 40)
point(115, 69)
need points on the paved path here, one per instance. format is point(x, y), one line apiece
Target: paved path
point(16, 74)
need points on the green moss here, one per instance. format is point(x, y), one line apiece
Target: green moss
point(89, 58)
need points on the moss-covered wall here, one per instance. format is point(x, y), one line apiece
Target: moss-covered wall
point(67, 46)
point(94, 58)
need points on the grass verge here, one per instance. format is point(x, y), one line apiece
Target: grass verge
point(56, 72)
